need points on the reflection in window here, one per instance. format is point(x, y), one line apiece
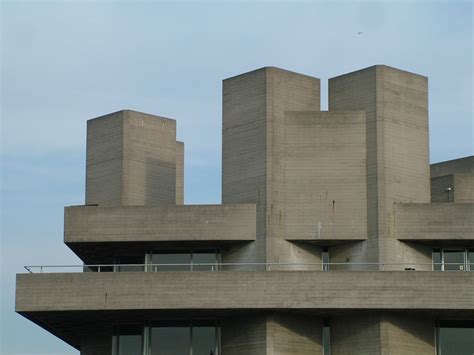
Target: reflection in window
point(453, 260)
point(184, 260)
point(326, 338)
point(128, 340)
point(455, 337)
point(130, 263)
point(172, 337)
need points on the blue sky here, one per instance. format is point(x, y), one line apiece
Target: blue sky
point(65, 62)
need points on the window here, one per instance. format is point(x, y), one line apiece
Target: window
point(130, 263)
point(168, 337)
point(184, 260)
point(325, 258)
point(453, 259)
point(326, 338)
point(127, 340)
point(455, 337)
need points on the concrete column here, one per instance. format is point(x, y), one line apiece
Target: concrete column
point(252, 155)
point(396, 104)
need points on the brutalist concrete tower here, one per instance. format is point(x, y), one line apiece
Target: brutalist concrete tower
point(334, 236)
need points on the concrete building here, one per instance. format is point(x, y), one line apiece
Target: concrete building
point(334, 236)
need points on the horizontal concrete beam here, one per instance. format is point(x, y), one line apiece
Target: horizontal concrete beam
point(91, 224)
point(434, 221)
point(231, 290)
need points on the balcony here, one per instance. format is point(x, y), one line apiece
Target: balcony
point(97, 233)
point(83, 300)
point(435, 222)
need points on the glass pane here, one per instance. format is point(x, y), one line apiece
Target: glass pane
point(204, 340)
point(129, 341)
point(454, 260)
point(204, 258)
point(325, 260)
point(456, 341)
point(326, 339)
point(184, 259)
point(471, 259)
point(170, 340)
point(436, 259)
point(132, 263)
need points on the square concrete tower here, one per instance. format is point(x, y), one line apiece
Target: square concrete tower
point(254, 106)
point(133, 159)
point(396, 105)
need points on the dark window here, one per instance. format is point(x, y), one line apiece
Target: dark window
point(455, 337)
point(326, 338)
point(128, 340)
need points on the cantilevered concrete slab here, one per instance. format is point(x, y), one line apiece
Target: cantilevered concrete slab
point(426, 222)
point(192, 223)
point(245, 290)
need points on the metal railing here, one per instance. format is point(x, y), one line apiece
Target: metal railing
point(252, 267)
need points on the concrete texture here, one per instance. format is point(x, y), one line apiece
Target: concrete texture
point(179, 173)
point(462, 165)
point(384, 333)
point(407, 334)
point(252, 150)
point(453, 181)
point(282, 290)
point(154, 224)
point(434, 222)
point(324, 162)
point(293, 334)
point(131, 160)
point(244, 335)
point(396, 105)
point(355, 334)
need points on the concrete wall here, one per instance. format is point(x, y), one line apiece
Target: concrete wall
point(104, 162)
point(355, 334)
point(458, 176)
point(464, 187)
point(293, 334)
point(461, 165)
point(382, 333)
point(153, 224)
point(439, 188)
point(434, 222)
point(179, 173)
point(243, 153)
point(252, 170)
point(244, 335)
point(396, 104)
point(131, 160)
point(324, 191)
point(245, 290)
point(407, 334)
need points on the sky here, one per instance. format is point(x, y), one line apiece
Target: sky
point(65, 62)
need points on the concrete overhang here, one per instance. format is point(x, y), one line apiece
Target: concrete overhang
point(326, 241)
point(435, 222)
point(96, 233)
point(81, 301)
point(244, 290)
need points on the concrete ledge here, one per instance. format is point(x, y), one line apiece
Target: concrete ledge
point(278, 290)
point(434, 221)
point(90, 224)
